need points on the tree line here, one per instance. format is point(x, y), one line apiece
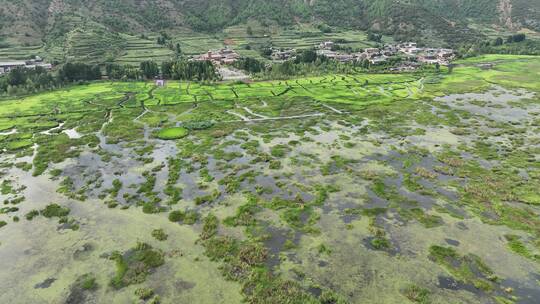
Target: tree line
point(21, 81)
point(516, 44)
point(181, 69)
point(24, 81)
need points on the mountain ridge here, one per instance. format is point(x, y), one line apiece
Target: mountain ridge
point(33, 18)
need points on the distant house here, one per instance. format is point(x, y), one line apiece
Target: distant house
point(409, 48)
point(278, 55)
point(372, 50)
point(360, 56)
point(428, 58)
point(373, 55)
point(446, 54)
point(413, 51)
point(408, 45)
point(7, 66)
point(344, 57)
point(327, 45)
point(406, 67)
point(46, 66)
point(327, 53)
point(389, 50)
point(377, 59)
point(222, 56)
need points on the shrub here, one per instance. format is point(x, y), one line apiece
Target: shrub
point(144, 293)
point(159, 234)
point(55, 210)
point(30, 215)
point(176, 216)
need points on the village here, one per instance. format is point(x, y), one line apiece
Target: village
point(409, 50)
point(411, 54)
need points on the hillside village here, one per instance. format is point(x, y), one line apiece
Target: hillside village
point(412, 56)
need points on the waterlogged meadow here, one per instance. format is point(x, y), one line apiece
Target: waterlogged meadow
point(368, 188)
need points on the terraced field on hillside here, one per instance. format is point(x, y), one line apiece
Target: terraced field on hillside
point(138, 50)
point(94, 44)
point(19, 53)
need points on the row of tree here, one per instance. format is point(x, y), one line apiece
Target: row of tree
point(510, 39)
point(250, 65)
point(24, 81)
point(20, 81)
point(517, 44)
point(178, 69)
point(79, 72)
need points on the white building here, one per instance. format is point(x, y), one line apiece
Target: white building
point(222, 56)
point(327, 45)
point(7, 66)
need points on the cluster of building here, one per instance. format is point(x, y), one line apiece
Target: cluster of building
point(7, 66)
point(409, 50)
point(219, 57)
point(283, 54)
point(412, 55)
point(427, 55)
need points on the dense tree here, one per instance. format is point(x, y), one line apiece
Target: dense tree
point(249, 64)
point(17, 77)
point(167, 68)
point(266, 52)
point(307, 56)
point(194, 70)
point(515, 44)
point(122, 72)
point(323, 27)
point(374, 37)
point(79, 71)
point(22, 80)
point(149, 69)
point(178, 50)
point(516, 38)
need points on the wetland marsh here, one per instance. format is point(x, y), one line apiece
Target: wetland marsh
point(367, 188)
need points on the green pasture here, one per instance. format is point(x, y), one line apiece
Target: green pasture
point(131, 105)
point(354, 90)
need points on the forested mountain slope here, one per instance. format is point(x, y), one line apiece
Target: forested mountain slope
point(31, 21)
